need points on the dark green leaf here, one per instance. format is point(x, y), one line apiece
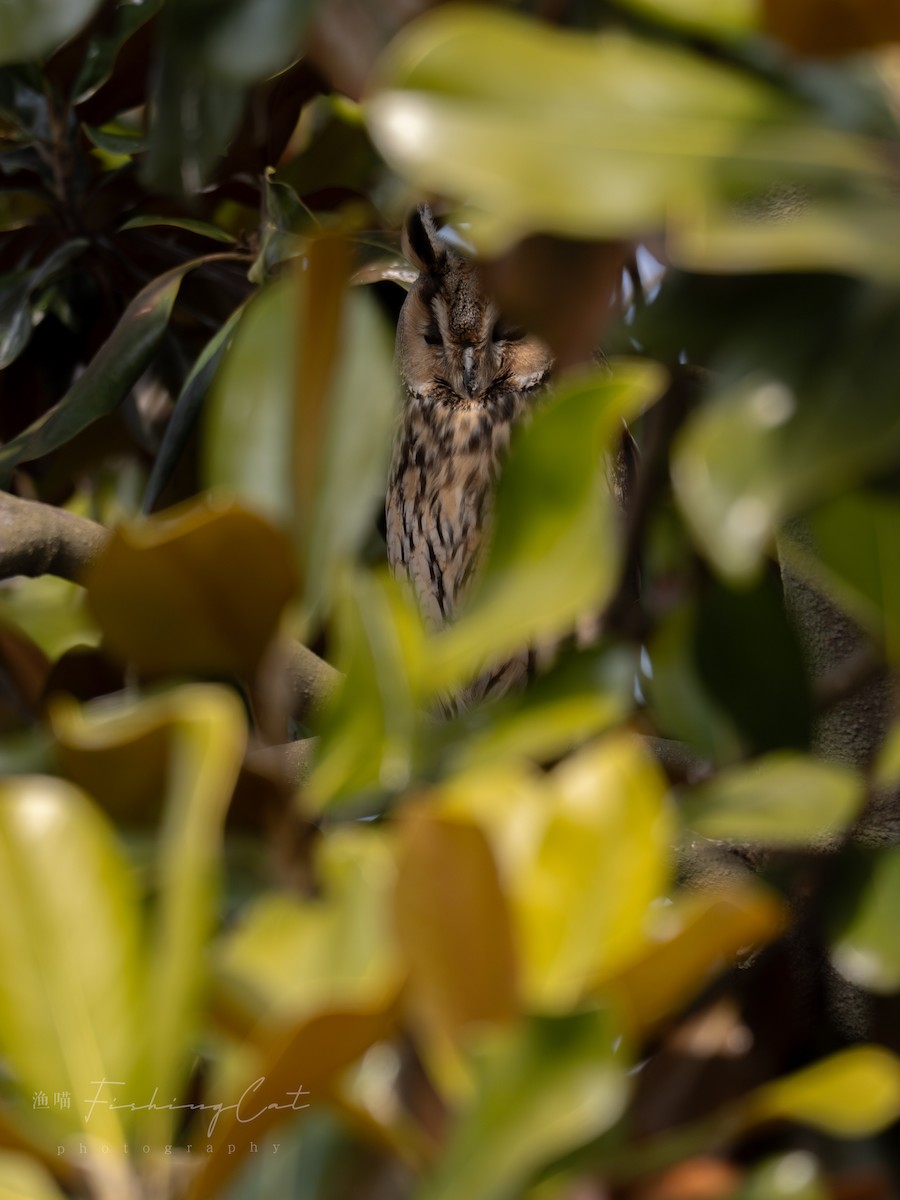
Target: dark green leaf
point(116, 142)
point(187, 409)
point(187, 223)
point(15, 299)
point(748, 657)
point(108, 377)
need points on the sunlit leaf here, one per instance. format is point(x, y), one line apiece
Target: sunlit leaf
point(454, 924)
point(598, 861)
point(716, 18)
point(199, 589)
point(583, 134)
point(51, 611)
point(290, 958)
point(583, 853)
point(779, 799)
point(795, 1175)
point(542, 1088)
point(582, 696)
point(298, 1066)
point(109, 376)
point(865, 946)
point(69, 939)
point(368, 728)
point(687, 944)
point(206, 733)
point(246, 446)
point(854, 1093)
point(554, 545)
point(21, 1178)
point(32, 28)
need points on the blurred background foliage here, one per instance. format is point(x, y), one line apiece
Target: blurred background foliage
point(268, 926)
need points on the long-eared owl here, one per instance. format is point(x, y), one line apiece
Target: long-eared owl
point(468, 376)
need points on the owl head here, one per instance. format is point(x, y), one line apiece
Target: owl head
point(453, 345)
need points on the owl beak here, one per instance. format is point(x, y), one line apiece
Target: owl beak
point(470, 373)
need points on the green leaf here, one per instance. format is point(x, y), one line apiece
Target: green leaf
point(246, 442)
point(856, 542)
point(583, 695)
point(117, 142)
point(187, 223)
point(555, 539)
point(582, 134)
point(864, 944)
point(854, 1093)
point(16, 291)
point(779, 799)
point(369, 727)
point(32, 28)
point(187, 409)
point(302, 415)
point(680, 703)
point(108, 377)
point(207, 735)
point(767, 695)
point(100, 57)
point(795, 1175)
point(542, 1089)
point(70, 983)
point(356, 450)
point(293, 958)
point(713, 18)
point(15, 316)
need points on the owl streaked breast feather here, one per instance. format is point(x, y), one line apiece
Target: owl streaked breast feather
point(468, 377)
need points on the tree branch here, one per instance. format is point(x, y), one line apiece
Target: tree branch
point(38, 539)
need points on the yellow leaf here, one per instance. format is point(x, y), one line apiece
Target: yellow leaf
point(197, 590)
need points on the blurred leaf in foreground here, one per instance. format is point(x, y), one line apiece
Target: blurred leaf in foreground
point(69, 941)
point(865, 947)
point(197, 590)
point(554, 544)
point(206, 734)
point(780, 799)
point(543, 1087)
point(586, 135)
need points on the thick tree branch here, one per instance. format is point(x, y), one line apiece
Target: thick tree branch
point(38, 539)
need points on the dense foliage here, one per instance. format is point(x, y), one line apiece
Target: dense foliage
point(270, 927)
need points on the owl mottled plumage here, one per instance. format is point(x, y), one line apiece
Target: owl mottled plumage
point(468, 377)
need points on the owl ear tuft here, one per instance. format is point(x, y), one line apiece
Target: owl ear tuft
point(421, 243)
